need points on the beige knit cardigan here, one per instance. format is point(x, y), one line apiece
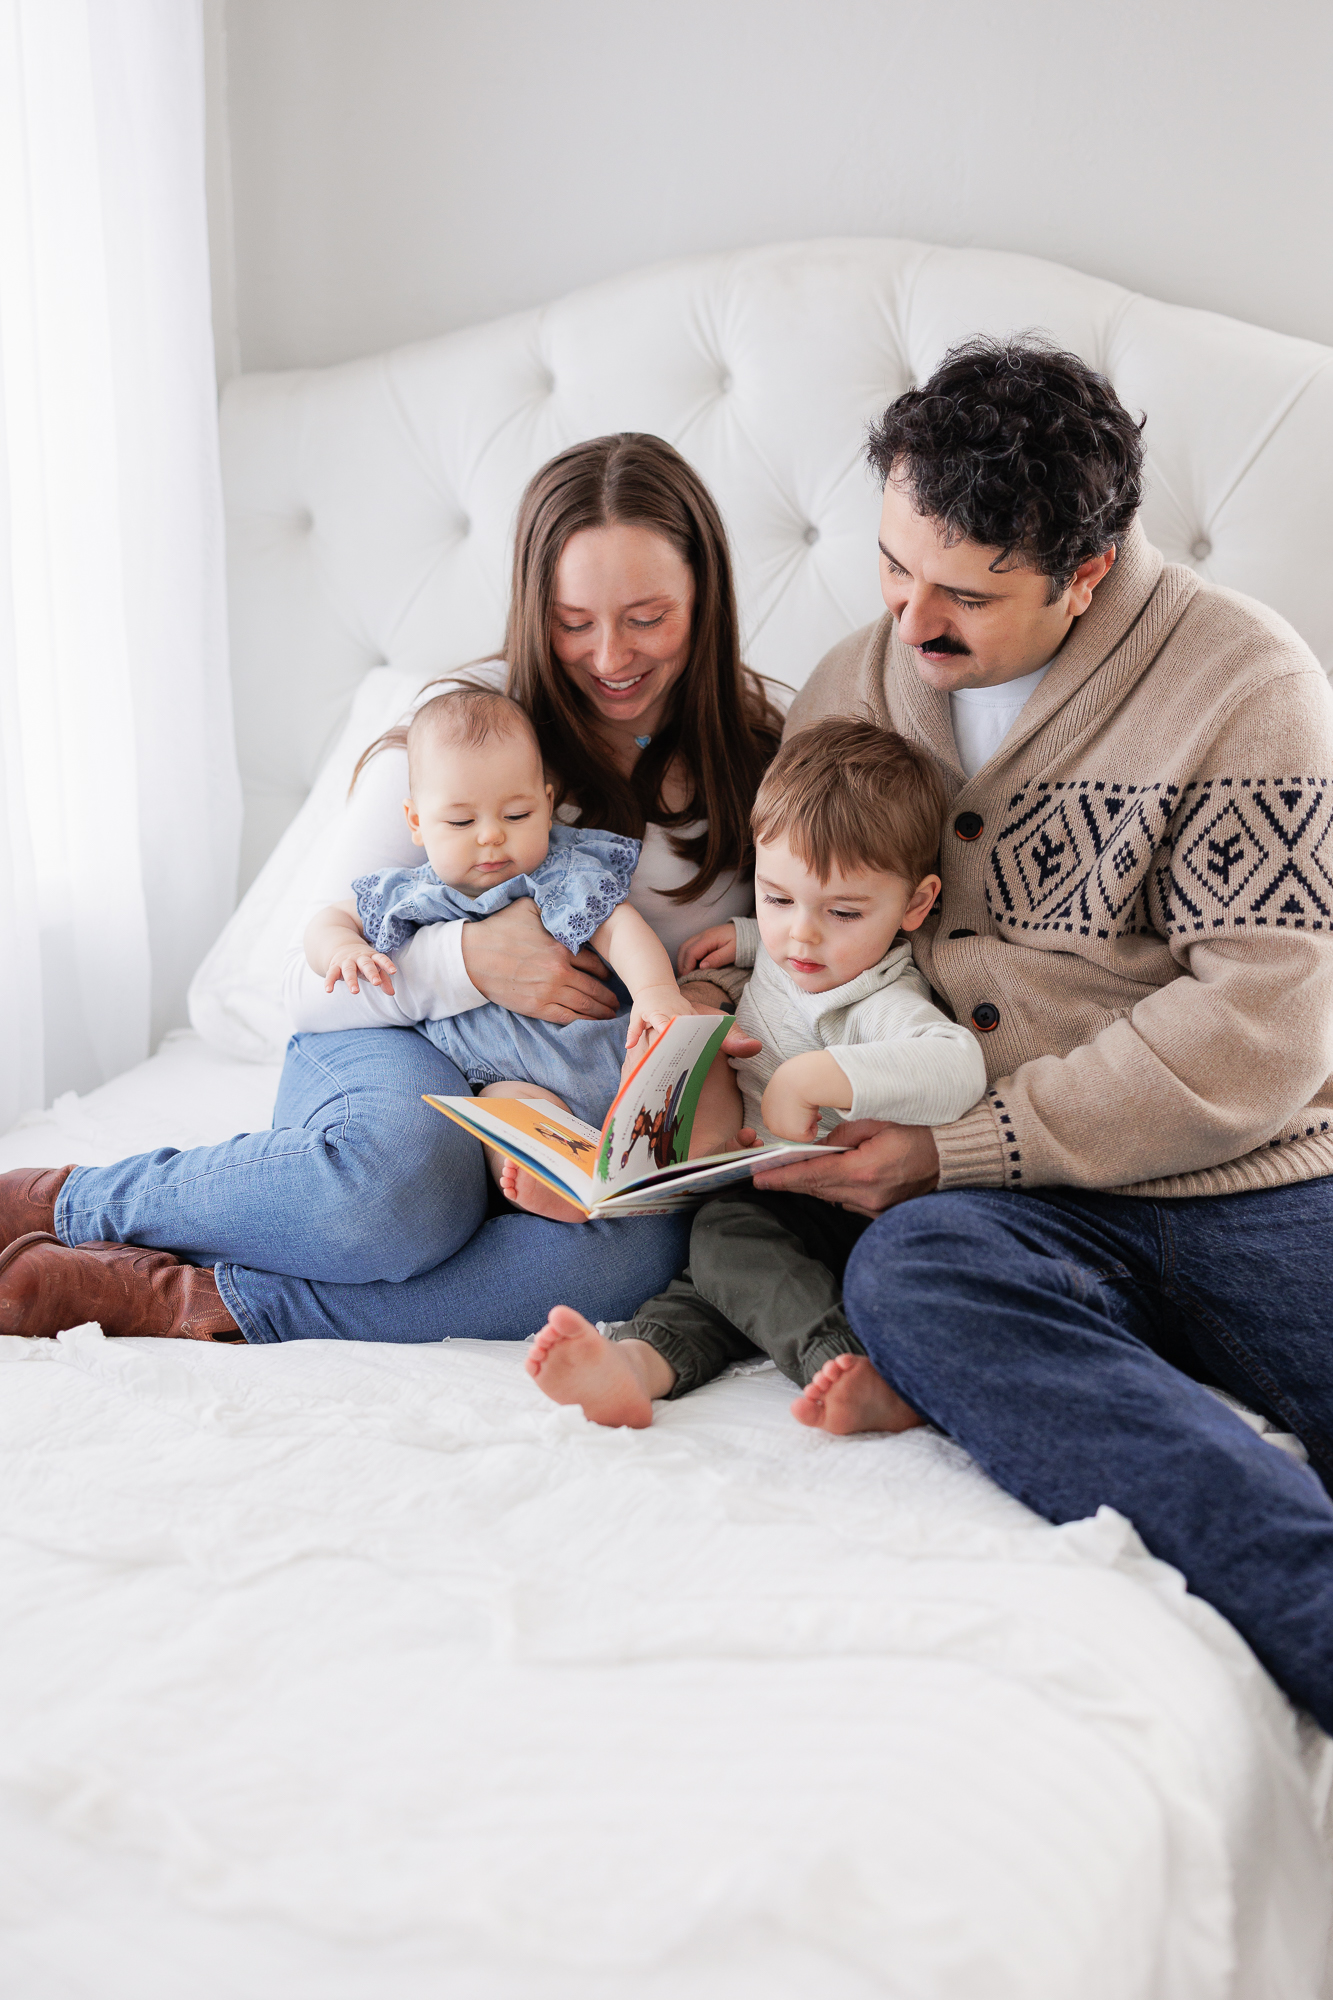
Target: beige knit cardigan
point(1137, 913)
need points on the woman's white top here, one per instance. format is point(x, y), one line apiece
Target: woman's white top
point(983, 717)
point(432, 980)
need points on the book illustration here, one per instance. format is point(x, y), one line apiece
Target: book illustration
point(638, 1164)
point(660, 1128)
point(576, 1148)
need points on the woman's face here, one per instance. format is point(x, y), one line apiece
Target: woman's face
point(620, 628)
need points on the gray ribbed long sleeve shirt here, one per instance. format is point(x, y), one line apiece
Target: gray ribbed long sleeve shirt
point(906, 1061)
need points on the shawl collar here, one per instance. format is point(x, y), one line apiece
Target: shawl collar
point(1115, 640)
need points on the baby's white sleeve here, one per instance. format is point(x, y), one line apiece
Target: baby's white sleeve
point(921, 1068)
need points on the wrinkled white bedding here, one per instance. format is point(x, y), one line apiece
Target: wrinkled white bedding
point(339, 1672)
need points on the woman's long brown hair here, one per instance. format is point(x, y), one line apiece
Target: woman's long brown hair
point(722, 729)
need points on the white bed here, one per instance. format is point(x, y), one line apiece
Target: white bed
point(349, 1671)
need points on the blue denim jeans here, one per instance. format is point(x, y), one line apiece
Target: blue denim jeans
point(362, 1213)
point(1063, 1338)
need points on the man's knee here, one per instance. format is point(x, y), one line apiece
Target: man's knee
point(910, 1263)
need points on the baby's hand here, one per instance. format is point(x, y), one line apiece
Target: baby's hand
point(797, 1092)
point(653, 1007)
point(353, 958)
point(715, 946)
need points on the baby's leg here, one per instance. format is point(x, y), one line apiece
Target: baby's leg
point(516, 1184)
point(675, 1343)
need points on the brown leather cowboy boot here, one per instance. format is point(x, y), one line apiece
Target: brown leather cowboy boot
point(28, 1201)
point(46, 1287)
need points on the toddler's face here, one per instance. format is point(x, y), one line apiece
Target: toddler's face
point(483, 813)
point(823, 933)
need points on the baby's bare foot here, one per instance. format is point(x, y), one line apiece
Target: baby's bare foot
point(534, 1197)
point(571, 1363)
point(848, 1395)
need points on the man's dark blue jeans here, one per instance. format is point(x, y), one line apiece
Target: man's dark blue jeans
point(1062, 1339)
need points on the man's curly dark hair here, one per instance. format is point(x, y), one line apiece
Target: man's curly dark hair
point(1021, 447)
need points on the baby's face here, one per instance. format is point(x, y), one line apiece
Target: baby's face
point(482, 814)
point(823, 933)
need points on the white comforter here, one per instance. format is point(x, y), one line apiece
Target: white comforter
point(359, 1673)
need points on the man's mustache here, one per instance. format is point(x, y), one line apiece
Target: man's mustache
point(944, 644)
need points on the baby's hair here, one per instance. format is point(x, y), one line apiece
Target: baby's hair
point(846, 794)
point(470, 716)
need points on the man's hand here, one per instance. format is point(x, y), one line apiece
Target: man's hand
point(887, 1164)
point(715, 946)
point(513, 959)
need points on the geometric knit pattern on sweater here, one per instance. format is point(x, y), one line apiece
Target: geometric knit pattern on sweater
point(1090, 857)
point(1137, 906)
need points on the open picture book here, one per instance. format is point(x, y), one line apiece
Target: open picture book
point(638, 1164)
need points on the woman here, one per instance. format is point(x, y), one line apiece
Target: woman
point(362, 1214)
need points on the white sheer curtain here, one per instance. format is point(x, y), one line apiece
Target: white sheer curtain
point(121, 807)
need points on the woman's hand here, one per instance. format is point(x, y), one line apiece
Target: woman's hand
point(513, 959)
point(715, 946)
point(886, 1164)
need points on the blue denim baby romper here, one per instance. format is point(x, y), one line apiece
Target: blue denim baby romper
point(586, 875)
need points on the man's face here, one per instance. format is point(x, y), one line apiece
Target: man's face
point(969, 625)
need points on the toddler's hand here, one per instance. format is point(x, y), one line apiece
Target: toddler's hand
point(793, 1099)
point(354, 960)
point(715, 946)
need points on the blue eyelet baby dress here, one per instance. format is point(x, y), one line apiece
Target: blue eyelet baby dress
point(585, 876)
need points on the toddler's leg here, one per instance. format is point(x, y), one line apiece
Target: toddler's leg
point(675, 1343)
point(773, 1263)
point(516, 1184)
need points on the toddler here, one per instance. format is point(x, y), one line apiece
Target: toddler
point(481, 808)
point(846, 827)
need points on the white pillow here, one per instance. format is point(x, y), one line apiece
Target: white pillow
point(233, 997)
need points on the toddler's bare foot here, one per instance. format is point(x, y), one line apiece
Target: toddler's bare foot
point(848, 1395)
point(534, 1197)
point(571, 1363)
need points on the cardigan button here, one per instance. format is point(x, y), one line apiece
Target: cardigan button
point(968, 825)
point(985, 1016)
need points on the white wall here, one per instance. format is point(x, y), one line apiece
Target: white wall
point(400, 167)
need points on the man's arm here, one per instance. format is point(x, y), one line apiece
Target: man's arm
point(1208, 1067)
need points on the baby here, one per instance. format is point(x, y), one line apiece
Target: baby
point(481, 808)
point(846, 828)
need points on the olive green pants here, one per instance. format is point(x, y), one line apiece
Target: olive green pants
point(764, 1277)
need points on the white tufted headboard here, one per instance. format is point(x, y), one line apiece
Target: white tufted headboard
point(369, 506)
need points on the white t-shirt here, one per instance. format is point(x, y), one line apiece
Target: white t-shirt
point(983, 717)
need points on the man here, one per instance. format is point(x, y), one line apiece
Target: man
point(1137, 921)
